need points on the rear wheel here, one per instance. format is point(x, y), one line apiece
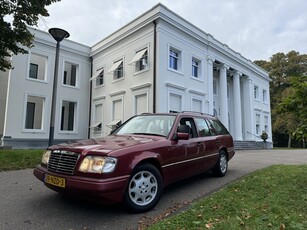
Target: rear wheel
point(221, 167)
point(144, 188)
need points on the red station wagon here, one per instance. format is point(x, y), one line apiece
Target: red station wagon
point(134, 163)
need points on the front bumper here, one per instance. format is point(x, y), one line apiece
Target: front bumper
point(107, 191)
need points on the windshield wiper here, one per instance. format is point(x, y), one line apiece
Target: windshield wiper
point(150, 134)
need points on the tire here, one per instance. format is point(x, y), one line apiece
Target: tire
point(144, 188)
point(221, 167)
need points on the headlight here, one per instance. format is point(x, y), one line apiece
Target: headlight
point(95, 164)
point(46, 156)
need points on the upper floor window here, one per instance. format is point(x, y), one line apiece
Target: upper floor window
point(99, 78)
point(117, 69)
point(264, 96)
point(174, 59)
point(33, 71)
point(140, 60)
point(70, 74)
point(195, 68)
point(38, 67)
point(256, 92)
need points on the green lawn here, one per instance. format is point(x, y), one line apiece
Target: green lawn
point(19, 159)
point(273, 198)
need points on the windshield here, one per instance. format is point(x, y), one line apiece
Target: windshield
point(148, 125)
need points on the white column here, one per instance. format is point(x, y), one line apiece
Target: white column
point(210, 61)
point(237, 106)
point(223, 110)
point(248, 109)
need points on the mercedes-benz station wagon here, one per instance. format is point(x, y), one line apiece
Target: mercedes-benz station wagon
point(136, 161)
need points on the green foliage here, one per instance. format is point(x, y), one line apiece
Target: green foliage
point(273, 198)
point(14, 36)
point(287, 91)
point(19, 159)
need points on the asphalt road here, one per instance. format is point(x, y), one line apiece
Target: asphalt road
point(25, 203)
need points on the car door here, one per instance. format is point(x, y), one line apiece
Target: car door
point(184, 156)
point(209, 143)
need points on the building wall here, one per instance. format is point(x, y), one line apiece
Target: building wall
point(121, 98)
point(24, 90)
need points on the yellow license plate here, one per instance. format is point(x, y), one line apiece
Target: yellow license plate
point(54, 180)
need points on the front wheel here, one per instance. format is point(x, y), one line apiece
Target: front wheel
point(144, 188)
point(220, 169)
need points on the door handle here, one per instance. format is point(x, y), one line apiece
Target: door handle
point(200, 144)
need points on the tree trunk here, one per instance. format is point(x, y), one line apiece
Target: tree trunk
point(289, 141)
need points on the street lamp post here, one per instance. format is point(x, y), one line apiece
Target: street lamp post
point(58, 35)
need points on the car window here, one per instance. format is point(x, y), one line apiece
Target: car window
point(189, 122)
point(147, 124)
point(203, 128)
point(217, 127)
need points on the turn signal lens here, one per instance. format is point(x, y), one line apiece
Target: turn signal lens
point(46, 157)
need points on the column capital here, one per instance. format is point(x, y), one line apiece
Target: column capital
point(223, 66)
point(210, 59)
point(237, 74)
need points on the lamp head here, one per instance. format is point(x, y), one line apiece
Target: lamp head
point(58, 34)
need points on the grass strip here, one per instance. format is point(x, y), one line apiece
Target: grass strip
point(273, 198)
point(19, 159)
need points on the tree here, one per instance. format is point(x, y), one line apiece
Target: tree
point(14, 36)
point(296, 103)
point(288, 73)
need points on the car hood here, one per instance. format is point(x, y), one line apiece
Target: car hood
point(107, 144)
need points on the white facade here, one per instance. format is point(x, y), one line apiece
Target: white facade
point(27, 107)
point(186, 70)
point(157, 63)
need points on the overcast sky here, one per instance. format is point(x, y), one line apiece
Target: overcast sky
point(255, 28)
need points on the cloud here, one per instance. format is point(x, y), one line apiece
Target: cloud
point(256, 28)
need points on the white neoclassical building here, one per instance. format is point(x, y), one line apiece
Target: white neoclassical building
point(159, 62)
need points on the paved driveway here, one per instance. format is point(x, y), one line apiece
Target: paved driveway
point(25, 203)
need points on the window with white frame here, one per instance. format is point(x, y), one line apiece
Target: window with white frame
point(266, 124)
point(34, 112)
point(117, 110)
point(100, 78)
point(174, 59)
point(175, 103)
point(117, 69)
point(258, 124)
point(70, 74)
point(140, 60)
point(68, 115)
point(256, 92)
point(98, 113)
point(196, 68)
point(197, 105)
point(264, 96)
point(141, 103)
point(38, 67)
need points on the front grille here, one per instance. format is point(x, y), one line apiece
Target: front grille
point(63, 162)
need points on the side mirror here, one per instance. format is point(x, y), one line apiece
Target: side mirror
point(183, 132)
point(183, 136)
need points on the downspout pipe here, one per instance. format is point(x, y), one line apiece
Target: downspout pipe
point(154, 66)
point(90, 105)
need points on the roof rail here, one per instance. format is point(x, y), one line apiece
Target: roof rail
point(201, 113)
